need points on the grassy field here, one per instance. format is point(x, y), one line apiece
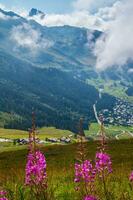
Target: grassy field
point(60, 169)
point(45, 132)
point(111, 87)
point(111, 131)
point(48, 132)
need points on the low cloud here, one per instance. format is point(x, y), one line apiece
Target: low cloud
point(5, 17)
point(83, 15)
point(115, 47)
point(25, 36)
point(2, 16)
point(115, 18)
point(76, 18)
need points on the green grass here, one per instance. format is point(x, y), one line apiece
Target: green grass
point(111, 131)
point(60, 169)
point(45, 132)
point(112, 87)
point(9, 147)
point(12, 133)
point(52, 132)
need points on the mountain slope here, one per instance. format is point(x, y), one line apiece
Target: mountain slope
point(50, 71)
point(49, 92)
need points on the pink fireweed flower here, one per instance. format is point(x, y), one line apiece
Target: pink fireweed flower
point(3, 193)
point(84, 172)
point(36, 169)
point(90, 198)
point(131, 177)
point(103, 162)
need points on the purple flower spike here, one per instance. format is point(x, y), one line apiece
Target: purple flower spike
point(131, 177)
point(103, 162)
point(84, 172)
point(3, 193)
point(36, 169)
point(90, 198)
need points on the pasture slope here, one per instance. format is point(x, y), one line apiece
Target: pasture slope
point(60, 169)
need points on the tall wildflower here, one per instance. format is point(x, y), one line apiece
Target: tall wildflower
point(85, 173)
point(103, 162)
point(81, 149)
point(84, 170)
point(36, 169)
point(35, 172)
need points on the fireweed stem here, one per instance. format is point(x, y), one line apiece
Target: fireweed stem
point(103, 161)
point(104, 186)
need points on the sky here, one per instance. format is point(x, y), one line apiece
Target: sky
point(48, 6)
point(56, 6)
point(113, 17)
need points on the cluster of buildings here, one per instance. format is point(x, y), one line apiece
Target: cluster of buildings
point(44, 141)
point(121, 114)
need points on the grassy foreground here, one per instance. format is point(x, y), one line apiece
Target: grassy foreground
point(60, 168)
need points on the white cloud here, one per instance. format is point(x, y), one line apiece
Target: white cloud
point(81, 16)
point(130, 71)
point(2, 6)
point(76, 18)
point(92, 5)
point(109, 13)
point(4, 17)
point(82, 4)
point(20, 11)
point(116, 47)
point(27, 37)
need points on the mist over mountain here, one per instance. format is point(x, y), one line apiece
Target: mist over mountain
point(51, 70)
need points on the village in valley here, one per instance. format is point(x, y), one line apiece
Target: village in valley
point(121, 114)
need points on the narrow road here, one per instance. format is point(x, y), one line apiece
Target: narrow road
point(96, 115)
point(117, 136)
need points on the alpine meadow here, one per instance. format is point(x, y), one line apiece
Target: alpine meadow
point(66, 100)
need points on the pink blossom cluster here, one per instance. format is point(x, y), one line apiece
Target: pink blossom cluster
point(103, 163)
point(90, 198)
point(2, 195)
point(84, 172)
point(131, 177)
point(36, 169)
